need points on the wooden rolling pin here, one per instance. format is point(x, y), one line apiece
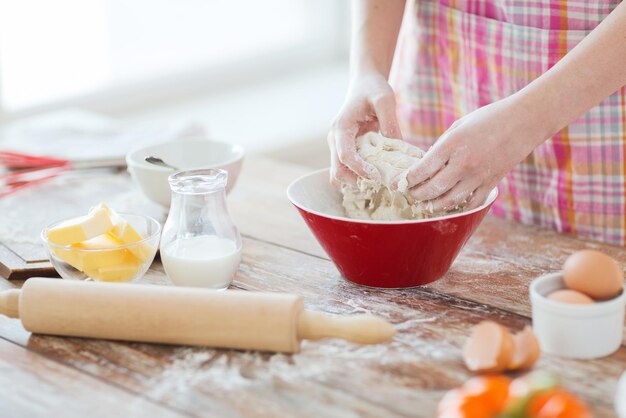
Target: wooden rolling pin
point(178, 315)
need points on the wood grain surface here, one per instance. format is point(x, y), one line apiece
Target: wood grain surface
point(405, 378)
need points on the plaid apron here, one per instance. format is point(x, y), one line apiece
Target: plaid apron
point(455, 56)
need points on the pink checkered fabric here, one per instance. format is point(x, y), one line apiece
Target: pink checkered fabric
point(455, 56)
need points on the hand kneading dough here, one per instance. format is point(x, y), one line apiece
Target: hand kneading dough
point(374, 199)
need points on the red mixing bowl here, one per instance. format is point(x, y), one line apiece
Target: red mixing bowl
point(377, 253)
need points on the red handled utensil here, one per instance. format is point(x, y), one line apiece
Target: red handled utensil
point(28, 170)
point(16, 160)
point(17, 180)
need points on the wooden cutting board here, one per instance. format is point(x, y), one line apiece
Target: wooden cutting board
point(24, 214)
point(16, 265)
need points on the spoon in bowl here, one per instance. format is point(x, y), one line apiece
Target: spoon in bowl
point(160, 162)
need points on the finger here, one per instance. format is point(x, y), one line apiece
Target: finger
point(478, 197)
point(385, 108)
point(330, 140)
point(334, 178)
point(368, 126)
point(348, 156)
point(433, 161)
point(339, 174)
point(435, 187)
point(455, 197)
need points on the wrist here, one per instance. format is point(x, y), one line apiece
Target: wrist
point(366, 79)
point(538, 117)
point(367, 69)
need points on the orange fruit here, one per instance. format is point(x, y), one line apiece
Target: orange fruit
point(557, 403)
point(465, 407)
point(492, 390)
point(479, 397)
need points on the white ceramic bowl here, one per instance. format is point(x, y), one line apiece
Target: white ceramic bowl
point(185, 155)
point(573, 330)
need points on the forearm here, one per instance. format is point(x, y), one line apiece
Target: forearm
point(375, 27)
point(590, 72)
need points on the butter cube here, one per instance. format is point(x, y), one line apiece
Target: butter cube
point(70, 256)
point(126, 233)
point(93, 245)
point(92, 260)
point(118, 273)
point(80, 229)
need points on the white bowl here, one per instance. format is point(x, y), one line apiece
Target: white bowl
point(573, 330)
point(185, 155)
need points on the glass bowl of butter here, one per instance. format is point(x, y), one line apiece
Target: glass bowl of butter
point(103, 245)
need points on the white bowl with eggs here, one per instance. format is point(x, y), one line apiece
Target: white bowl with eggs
point(184, 155)
point(579, 313)
point(575, 330)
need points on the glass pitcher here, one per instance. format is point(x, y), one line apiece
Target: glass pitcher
point(200, 246)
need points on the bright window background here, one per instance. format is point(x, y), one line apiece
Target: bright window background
point(51, 51)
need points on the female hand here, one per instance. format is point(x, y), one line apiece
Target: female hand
point(369, 106)
point(478, 150)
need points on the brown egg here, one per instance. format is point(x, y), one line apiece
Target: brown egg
point(526, 350)
point(489, 348)
point(570, 296)
point(593, 273)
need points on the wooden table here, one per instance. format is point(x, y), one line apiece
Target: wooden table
point(71, 377)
